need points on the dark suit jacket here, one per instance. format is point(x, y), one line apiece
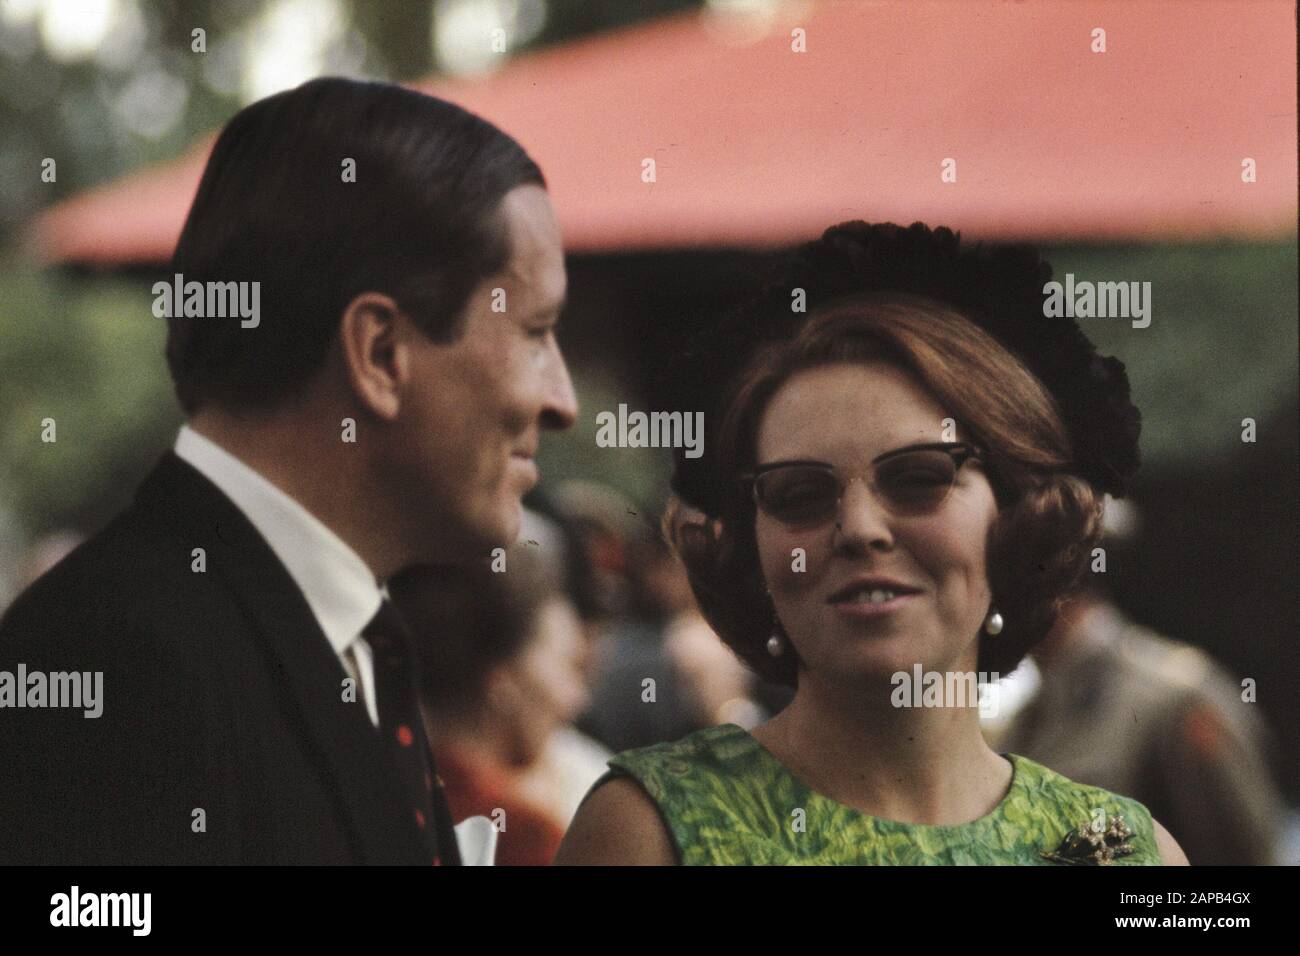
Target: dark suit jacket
point(221, 694)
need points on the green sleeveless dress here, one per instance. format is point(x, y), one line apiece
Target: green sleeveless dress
point(726, 800)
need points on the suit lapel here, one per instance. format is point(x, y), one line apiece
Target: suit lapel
point(338, 733)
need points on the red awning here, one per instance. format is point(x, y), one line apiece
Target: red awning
point(756, 144)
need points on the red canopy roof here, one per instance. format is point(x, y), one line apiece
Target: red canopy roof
point(756, 144)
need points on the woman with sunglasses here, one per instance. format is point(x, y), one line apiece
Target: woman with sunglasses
point(906, 480)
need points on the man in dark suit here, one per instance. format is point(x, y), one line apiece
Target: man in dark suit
point(378, 406)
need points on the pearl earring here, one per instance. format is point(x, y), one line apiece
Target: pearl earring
point(775, 646)
point(993, 623)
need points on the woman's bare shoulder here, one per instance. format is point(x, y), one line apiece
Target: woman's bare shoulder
point(1171, 854)
point(617, 825)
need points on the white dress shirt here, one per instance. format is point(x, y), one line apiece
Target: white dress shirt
point(339, 587)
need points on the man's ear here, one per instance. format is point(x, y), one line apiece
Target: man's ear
point(375, 354)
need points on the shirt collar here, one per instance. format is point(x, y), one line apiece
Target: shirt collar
point(339, 587)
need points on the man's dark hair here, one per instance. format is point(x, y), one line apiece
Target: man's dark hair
point(420, 223)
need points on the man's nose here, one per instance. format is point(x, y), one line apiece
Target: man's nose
point(863, 520)
point(561, 408)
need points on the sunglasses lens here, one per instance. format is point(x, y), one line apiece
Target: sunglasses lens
point(798, 495)
point(917, 481)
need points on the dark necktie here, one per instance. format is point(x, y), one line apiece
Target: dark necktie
point(403, 735)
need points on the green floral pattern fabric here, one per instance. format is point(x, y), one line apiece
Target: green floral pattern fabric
point(727, 801)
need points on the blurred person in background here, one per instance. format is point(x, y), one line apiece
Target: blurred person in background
point(658, 671)
point(501, 674)
point(637, 695)
point(572, 759)
point(1119, 706)
point(721, 690)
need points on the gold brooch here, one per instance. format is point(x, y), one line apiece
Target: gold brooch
point(1092, 844)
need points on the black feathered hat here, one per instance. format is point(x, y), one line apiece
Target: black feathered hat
point(999, 287)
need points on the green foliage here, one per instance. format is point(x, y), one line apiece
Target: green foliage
point(75, 111)
point(1222, 344)
point(87, 354)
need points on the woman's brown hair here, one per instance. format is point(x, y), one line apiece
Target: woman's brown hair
point(1049, 519)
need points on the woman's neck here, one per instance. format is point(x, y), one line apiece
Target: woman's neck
point(912, 764)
